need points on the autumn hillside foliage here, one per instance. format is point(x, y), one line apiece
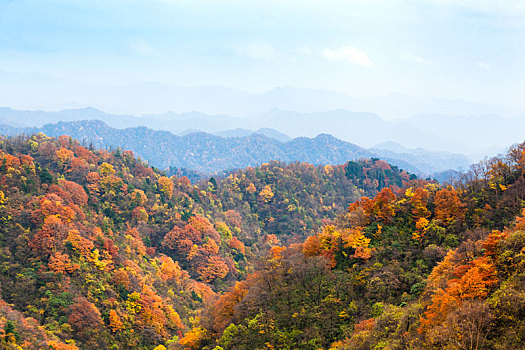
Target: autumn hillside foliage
point(103, 251)
point(292, 200)
point(99, 250)
point(422, 266)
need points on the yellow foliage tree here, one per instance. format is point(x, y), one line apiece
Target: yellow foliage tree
point(106, 169)
point(266, 193)
point(166, 186)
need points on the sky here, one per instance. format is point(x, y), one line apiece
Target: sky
point(457, 49)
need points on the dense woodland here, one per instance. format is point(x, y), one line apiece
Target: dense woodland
point(99, 250)
point(419, 267)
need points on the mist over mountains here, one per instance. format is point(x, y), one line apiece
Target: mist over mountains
point(474, 135)
point(235, 129)
point(53, 93)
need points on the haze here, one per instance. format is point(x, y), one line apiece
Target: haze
point(396, 59)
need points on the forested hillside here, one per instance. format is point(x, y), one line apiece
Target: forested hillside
point(262, 175)
point(105, 252)
point(294, 199)
point(88, 240)
point(418, 267)
point(98, 250)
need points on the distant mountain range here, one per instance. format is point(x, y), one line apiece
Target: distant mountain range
point(476, 136)
point(209, 153)
point(154, 98)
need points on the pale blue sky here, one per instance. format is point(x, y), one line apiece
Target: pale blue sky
point(464, 49)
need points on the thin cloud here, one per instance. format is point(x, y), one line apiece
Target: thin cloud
point(305, 51)
point(407, 56)
point(348, 54)
point(482, 65)
point(142, 48)
point(509, 7)
point(259, 51)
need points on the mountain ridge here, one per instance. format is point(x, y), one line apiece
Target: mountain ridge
point(208, 153)
point(437, 132)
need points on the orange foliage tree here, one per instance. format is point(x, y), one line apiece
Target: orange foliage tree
point(473, 280)
point(214, 267)
point(449, 207)
point(115, 324)
point(166, 186)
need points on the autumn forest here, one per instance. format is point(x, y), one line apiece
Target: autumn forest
point(101, 251)
point(262, 175)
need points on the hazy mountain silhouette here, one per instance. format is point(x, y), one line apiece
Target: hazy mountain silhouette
point(205, 152)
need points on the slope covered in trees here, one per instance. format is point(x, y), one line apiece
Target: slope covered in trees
point(98, 250)
point(88, 240)
point(294, 199)
point(105, 252)
point(421, 267)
